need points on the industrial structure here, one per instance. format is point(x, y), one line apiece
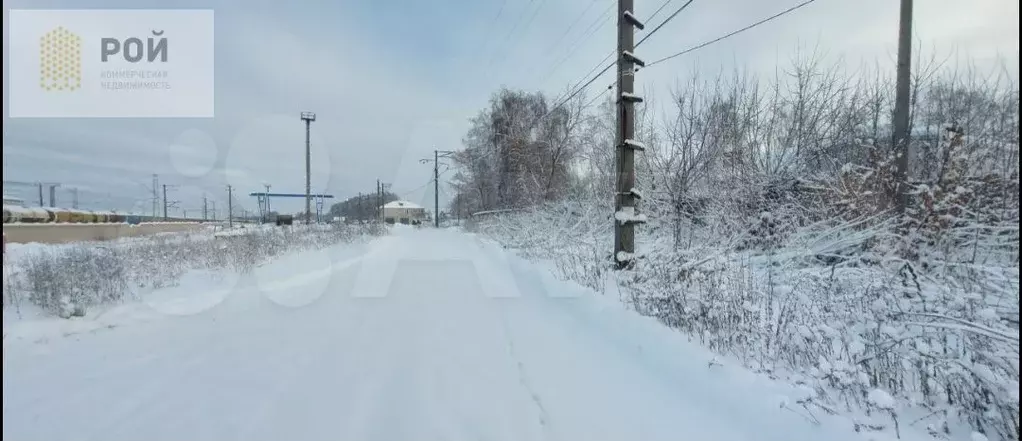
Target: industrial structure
point(263, 200)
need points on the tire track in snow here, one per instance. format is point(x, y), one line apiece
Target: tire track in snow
point(523, 377)
point(485, 258)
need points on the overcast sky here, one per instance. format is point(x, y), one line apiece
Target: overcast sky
point(390, 80)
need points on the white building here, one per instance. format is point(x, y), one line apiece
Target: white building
point(403, 212)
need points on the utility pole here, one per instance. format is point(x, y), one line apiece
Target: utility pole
point(204, 209)
point(267, 202)
point(436, 189)
point(53, 195)
point(902, 135)
point(625, 216)
point(230, 207)
point(308, 117)
point(164, 202)
point(42, 203)
point(156, 199)
point(437, 154)
point(379, 205)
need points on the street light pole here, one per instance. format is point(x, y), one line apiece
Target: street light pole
point(308, 117)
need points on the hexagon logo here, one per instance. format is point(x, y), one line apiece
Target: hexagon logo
point(60, 61)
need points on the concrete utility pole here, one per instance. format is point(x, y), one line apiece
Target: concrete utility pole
point(53, 195)
point(156, 198)
point(308, 117)
point(204, 209)
point(42, 203)
point(230, 206)
point(437, 154)
point(625, 217)
point(902, 135)
point(436, 189)
point(164, 201)
point(267, 202)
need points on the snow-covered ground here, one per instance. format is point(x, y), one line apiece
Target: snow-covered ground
point(423, 335)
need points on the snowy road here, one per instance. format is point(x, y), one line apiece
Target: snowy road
point(428, 335)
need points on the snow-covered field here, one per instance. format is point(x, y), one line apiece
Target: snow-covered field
point(422, 334)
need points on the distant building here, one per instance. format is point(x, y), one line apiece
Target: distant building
point(403, 212)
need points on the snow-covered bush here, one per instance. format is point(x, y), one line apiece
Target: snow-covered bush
point(67, 280)
point(777, 233)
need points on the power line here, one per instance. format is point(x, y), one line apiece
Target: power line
point(661, 8)
point(595, 26)
point(532, 18)
point(693, 48)
point(534, 14)
point(599, 95)
point(572, 26)
point(579, 90)
point(731, 34)
point(484, 41)
point(668, 19)
point(605, 69)
point(513, 29)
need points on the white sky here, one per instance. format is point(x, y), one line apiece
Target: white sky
point(390, 81)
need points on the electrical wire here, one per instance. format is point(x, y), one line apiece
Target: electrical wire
point(605, 69)
point(599, 95)
point(696, 47)
point(572, 26)
point(667, 20)
point(513, 29)
point(595, 26)
point(733, 33)
point(485, 41)
point(661, 8)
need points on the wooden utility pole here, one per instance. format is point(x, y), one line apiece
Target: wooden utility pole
point(308, 117)
point(902, 136)
point(625, 216)
point(230, 206)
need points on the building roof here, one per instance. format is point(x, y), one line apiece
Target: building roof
point(401, 204)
